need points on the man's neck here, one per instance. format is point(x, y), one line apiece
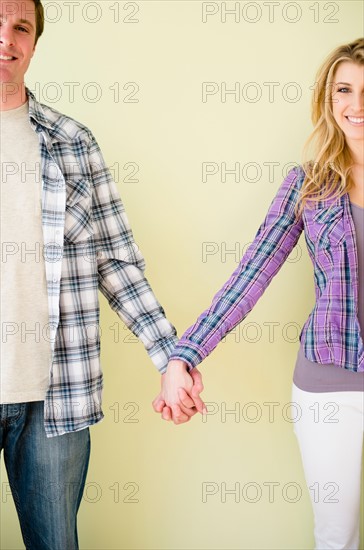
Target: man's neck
point(12, 96)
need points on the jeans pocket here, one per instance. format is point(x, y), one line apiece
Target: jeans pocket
point(11, 412)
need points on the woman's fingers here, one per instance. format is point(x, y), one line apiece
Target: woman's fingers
point(185, 399)
point(166, 413)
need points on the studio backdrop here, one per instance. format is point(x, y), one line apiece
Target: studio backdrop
point(200, 110)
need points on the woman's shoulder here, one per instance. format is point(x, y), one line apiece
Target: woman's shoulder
point(295, 176)
point(300, 170)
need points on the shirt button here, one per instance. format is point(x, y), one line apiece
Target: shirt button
point(55, 280)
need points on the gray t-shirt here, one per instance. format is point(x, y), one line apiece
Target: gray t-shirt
point(25, 353)
point(315, 377)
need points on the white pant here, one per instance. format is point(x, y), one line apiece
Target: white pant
point(329, 428)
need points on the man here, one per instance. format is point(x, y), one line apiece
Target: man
point(64, 234)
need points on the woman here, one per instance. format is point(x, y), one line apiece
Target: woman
point(325, 198)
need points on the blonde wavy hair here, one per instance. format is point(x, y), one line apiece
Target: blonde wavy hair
point(328, 173)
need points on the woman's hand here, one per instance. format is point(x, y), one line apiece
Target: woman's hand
point(179, 398)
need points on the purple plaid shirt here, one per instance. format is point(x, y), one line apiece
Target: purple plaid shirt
point(331, 333)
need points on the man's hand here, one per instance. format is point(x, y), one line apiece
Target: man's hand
point(179, 398)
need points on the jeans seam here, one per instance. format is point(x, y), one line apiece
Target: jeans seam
point(18, 508)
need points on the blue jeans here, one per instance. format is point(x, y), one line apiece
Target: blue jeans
point(46, 475)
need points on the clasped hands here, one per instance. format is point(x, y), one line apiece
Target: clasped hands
point(179, 398)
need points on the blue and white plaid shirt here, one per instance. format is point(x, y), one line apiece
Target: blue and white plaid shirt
point(88, 245)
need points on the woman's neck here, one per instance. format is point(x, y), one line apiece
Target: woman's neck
point(357, 152)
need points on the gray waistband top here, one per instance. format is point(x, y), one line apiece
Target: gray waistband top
point(315, 377)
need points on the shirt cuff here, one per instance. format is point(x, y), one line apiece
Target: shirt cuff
point(189, 353)
point(161, 351)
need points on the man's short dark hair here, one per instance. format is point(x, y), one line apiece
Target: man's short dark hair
point(39, 19)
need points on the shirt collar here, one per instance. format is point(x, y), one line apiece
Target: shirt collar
point(40, 121)
point(36, 113)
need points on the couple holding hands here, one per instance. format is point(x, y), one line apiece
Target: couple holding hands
point(51, 388)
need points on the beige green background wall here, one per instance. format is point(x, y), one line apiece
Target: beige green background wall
point(154, 80)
